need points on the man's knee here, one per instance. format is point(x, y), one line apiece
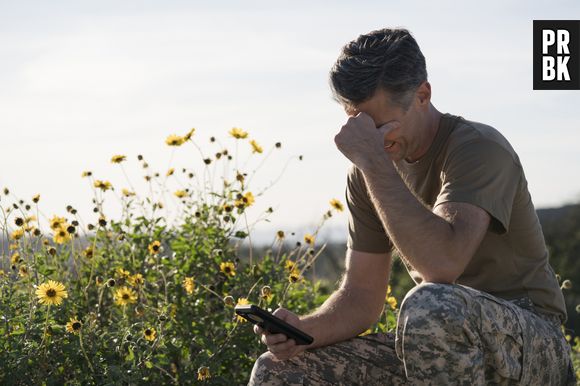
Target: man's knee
point(434, 307)
point(269, 372)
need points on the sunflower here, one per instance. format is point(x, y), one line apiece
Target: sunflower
point(180, 193)
point(61, 235)
point(57, 222)
point(189, 285)
point(255, 147)
point(23, 271)
point(124, 296)
point(51, 293)
point(241, 302)
point(136, 280)
point(15, 258)
point(336, 205)
point(18, 234)
point(122, 273)
point(74, 326)
point(103, 185)
point(238, 133)
point(290, 265)
point(117, 159)
point(154, 247)
point(391, 301)
point(266, 293)
point(228, 268)
point(150, 334)
point(203, 373)
point(246, 200)
point(127, 192)
point(309, 239)
point(175, 140)
point(294, 276)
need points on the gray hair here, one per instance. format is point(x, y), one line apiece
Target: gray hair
point(387, 58)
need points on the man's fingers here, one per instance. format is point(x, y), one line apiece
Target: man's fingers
point(258, 330)
point(388, 127)
point(282, 347)
point(273, 339)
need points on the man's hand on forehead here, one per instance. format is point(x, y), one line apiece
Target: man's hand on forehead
point(361, 141)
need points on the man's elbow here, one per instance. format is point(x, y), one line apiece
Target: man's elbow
point(444, 274)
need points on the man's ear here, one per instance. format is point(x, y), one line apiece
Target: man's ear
point(423, 94)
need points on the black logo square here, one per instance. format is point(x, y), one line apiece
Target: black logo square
point(556, 55)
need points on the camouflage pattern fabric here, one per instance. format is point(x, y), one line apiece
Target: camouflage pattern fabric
point(446, 335)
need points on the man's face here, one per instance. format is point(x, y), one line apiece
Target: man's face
point(402, 142)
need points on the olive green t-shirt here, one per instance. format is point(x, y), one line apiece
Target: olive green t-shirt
point(473, 163)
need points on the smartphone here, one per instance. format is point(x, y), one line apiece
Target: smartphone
point(272, 324)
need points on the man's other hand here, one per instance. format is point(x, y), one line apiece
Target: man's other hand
point(279, 345)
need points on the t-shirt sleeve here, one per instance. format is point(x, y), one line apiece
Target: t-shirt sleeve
point(485, 174)
point(365, 230)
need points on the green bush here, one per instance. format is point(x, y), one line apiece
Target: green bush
point(135, 298)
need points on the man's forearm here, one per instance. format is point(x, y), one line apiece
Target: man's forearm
point(424, 238)
point(342, 316)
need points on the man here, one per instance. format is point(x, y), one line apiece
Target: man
point(451, 196)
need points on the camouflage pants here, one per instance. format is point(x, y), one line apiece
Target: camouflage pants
point(446, 335)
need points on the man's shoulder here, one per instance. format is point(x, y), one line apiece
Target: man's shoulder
point(478, 135)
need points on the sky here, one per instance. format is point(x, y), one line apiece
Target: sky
point(81, 81)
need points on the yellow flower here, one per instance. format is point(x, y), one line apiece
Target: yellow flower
point(136, 280)
point(61, 235)
point(122, 273)
point(238, 133)
point(255, 147)
point(189, 285)
point(15, 259)
point(36, 198)
point(294, 276)
point(266, 292)
point(175, 140)
point(180, 193)
point(154, 247)
point(87, 174)
point(127, 193)
point(391, 301)
point(245, 201)
point(309, 239)
point(150, 334)
point(18, 234)
point(170, 172)
point(187, 136)
point(117, 159)
point(51, 293)
point(56, 222)
point(228, 268)
point(74, 326)
point(103, 185)
point(89, 252)
point(290, 265)
point(388, 290)
point(336, 204)
point(241, 302)
point(23, 271)
point(124, 296)
point(203, 373)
